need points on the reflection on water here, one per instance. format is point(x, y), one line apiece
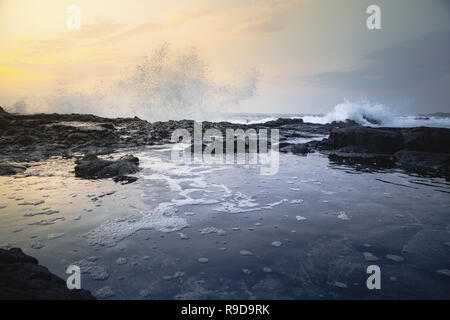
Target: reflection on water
point(212, 232)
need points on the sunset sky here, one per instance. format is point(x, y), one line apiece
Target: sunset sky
point(309, 55)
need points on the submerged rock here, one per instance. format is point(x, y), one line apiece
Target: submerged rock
point(395, 258)
point(340, 285)
point(21, 277)
point(36, 245)
point(203, 260)
point(267, 270)
point(8, 169)
point(245, 253)
point(277, 244)
point(92, 167)
point(370, 256)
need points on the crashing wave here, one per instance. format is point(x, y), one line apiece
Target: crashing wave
point(375, 115)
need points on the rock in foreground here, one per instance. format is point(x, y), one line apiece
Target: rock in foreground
point(92, 167)
point(21, 277)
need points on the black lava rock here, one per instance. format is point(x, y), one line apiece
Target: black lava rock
point(22, 278)
point(92, 167)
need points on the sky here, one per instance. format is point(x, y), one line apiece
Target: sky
point(275, 56)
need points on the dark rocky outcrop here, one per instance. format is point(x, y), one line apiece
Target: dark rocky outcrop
point(422, 150)
point(8, 169)
point(92, 167)
point(366, 140)
point(301, 149)
point(22, 278)
point(39, 136)
point(25, 138)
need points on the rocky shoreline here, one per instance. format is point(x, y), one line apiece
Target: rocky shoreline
point(28, 138)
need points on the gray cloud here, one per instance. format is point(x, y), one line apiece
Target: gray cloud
point(415, 73)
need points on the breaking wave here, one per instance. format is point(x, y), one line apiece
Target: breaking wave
point(378, 115)
point(165, 85)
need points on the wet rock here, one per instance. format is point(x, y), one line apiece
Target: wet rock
point(92, 167)
point(33, 203)
point(369, 256)
point(367, 140)
point(395, 258)
point(267, 270)
point(8, 169)
point(36, 245)
point(21, 277)
point(300, 148)
point(340, 285)
point(423, 162)
point(422, 150)
point(125, 179)
point(426, 139)
point(277, 244)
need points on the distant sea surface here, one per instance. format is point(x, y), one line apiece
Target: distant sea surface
point(369, 115)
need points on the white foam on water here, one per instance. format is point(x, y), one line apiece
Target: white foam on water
point(230, 207)
point(96, 272)
point(342, 215)
point(164, 217)
point(375, 115)
point(273, 204)
point(209, 230)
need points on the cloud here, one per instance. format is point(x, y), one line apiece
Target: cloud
point(91, 37)
point(417, 70)
point(132, 32)
point(268, 16)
